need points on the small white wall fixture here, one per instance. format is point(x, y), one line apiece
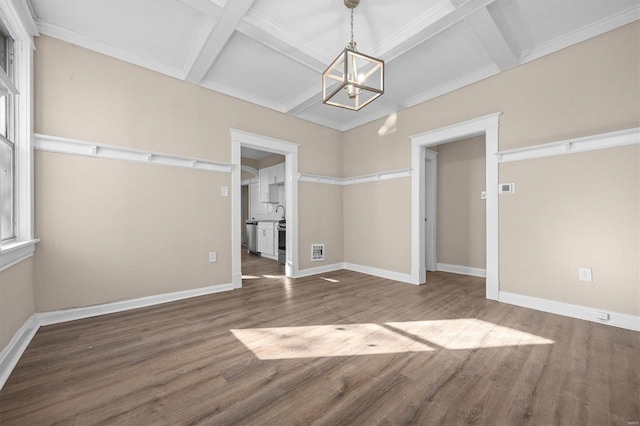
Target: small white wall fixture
point(487, 125)
point(239, 139)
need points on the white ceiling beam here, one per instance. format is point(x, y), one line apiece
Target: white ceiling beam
point(309, 97)
point(487, 31)
point(283, 42)
point(419, 24)
point(207, 7)
point(435, 28)
point(217, 38)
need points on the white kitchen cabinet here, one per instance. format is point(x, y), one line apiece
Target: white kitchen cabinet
point(277, 173)
point(270, 179)
point(264, 176)
point(267, 239)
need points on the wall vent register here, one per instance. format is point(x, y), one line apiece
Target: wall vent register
point(317, 252)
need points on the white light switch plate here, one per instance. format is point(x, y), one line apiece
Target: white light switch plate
point(224, 191)
point(213, 257)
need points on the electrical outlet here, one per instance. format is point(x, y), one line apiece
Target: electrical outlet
point(213, 257)
point(584, 274)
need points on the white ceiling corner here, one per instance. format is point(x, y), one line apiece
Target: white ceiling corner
point(272, 52)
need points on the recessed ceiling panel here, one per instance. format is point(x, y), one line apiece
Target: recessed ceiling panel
point(449, 56)
point(532, 23)
point(163, 31)
point(253, 68)
point(324, 25)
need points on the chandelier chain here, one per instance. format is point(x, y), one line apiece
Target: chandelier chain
point(352, 25)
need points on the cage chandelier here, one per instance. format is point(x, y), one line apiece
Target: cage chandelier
point(353, 80)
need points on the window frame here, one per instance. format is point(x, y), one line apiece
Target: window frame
point(8, 137)
point(18, 22)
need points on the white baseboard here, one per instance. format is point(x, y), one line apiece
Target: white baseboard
point(630, 322)
point(382, 273)
point(65, 315)
point(319, 270)
point(13, 351)
point(465, 270)
point(11, 354)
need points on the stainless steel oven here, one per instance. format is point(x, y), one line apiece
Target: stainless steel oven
point(282, 242)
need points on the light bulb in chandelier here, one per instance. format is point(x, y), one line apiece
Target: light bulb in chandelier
point(352, 76)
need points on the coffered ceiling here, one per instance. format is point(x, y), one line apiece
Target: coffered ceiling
point(272, 52)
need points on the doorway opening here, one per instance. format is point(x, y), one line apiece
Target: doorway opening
point(455, 211)
point(487, 126)
point(268, 212)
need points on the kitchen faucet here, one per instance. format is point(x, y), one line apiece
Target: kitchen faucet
point(284, 211)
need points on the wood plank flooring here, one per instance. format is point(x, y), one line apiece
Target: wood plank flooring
point(341, 348)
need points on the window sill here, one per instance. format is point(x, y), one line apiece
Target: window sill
point(14, 253)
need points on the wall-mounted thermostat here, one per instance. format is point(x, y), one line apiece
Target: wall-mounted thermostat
point(507, 188)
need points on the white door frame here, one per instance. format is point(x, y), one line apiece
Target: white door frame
point(431, 185)
point(239, 139)
point(487, 125)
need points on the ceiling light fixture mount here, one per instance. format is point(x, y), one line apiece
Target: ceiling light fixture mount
point(353, 80)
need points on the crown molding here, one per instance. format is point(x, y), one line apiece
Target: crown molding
point(473, 77)
point(595, 29)
point(242, 95)
point(82, 41)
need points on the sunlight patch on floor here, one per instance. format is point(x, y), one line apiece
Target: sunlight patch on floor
point(249, 277)
point(325, 340)
point(370, 339)
point(331, 280)
point(468, 333)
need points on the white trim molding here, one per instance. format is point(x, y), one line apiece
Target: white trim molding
point(570, 146)
point(382, 273)
point(630, 322)
point(319, 270)
point(466, 80)
point(464, 270)
point(249, 169)
point(55, 317)
point(11, 353)
point(487, 125)
point(12, 254)
point(374, 177)
point(106, 49)
point(369, 270)
point(61, 145)
point(581, 34)
point(240, 138)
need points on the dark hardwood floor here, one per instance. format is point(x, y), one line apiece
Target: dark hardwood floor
point(339, 348)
